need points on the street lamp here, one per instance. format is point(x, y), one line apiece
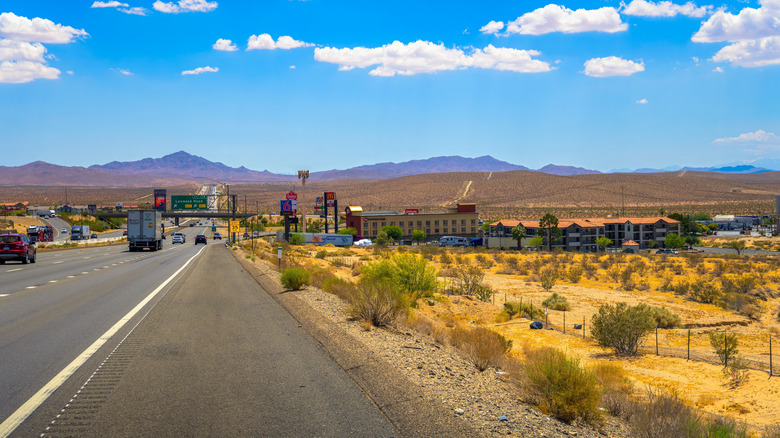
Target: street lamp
point(303, 175)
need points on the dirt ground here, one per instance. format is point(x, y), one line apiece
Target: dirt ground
point(701, 384)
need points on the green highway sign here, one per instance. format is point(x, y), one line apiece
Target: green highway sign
point(189, 202)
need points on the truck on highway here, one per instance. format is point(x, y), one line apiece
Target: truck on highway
point(40, 233)
point(79, 232)
point(144, 230)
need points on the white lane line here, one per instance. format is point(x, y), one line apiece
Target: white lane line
point(85, 272)
point(12, 270)
point(71, 276)
point(31, 287)
point(96, 269)
point(3, 295)
point(53, 281)
point(105, 267)
point(11, 423)
point(61, 261)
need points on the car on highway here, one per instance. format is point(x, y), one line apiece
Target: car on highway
point(246, 235)
point(201, 238)
point(124, 232)
point(64, 231)
point(667, 251)
point(17, 247)
point(93, 236)
point(217, 236)
point(363, 243)
point(177, 238)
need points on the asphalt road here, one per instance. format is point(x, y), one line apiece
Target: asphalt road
point(211, 355)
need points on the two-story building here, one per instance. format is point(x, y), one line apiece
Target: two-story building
point(461, 220)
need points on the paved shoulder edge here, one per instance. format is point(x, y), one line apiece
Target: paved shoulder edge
point(400, 400)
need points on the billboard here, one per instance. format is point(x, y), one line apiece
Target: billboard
point(189, 202)
point(159, 200)
point(330, 197)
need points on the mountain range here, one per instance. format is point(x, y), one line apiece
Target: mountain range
point(182, 167)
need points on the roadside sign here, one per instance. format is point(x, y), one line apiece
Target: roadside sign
point(286, 207)
point(330, 197)
point(213, 228)
point(234, 226)
point(189, 202)
point(292, 195)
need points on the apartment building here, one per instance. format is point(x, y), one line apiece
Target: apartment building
point(580, 234)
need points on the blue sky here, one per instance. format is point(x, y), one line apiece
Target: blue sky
point(285, 85)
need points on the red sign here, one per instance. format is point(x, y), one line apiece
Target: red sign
point(292, 195)
point(330, 196)
point(411, 211)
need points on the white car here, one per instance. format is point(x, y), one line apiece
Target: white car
point(64, 231)
point(363, 243)
point(178, 238)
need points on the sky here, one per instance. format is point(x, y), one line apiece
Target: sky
point(282, 85)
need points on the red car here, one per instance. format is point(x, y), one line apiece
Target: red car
point(16, 247)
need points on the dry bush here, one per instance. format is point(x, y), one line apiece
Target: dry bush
point(662, 415)
point(376, 302)
point(556, 302)
point(295, 278)
point(617, 389)
point(483, 347)
point(426, 326)
point(561, 387)
point(525, 309)
point(484, 261)
point(445, 258)
point(772, 431)
point(337, 286)
point(547, 278)
point(573, 274)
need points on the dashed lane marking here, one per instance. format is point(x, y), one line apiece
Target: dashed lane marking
point(11, 423)
point(31, 287)
point(3, 295)
point(71, 276)
point(85, 272)
point(61, 261)
point(53, 281)
point(12, 270)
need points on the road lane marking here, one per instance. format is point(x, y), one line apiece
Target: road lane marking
point(12, 270)
point(71, 276)
point(85, 272)
point(3, 295)
point(11, 423)
point(61, 261)
point(87, 257)
point(53, 281)
point(31, 287)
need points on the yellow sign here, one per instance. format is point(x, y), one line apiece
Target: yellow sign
point(234, 226)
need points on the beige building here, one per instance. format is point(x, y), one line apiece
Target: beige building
point(461, 220)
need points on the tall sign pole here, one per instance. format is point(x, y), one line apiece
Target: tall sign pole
point(303, 175)
point(325, 207)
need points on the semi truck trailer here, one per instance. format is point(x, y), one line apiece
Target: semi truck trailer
point(144, 230)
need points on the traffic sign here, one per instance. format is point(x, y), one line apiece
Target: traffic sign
point(189, 202)
point(292, 195)
point(235, 226)
point(285, 207)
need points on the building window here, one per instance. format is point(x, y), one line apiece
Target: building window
point(446, 230)
point(473, 230)
point(375, 224)
point(392, 224)
point(419, 223)
point(445, 223)
point(463, 221)
point(436, 231)
point(427, 223)
point(411, 224)
point(383, 223)
point(436, 223)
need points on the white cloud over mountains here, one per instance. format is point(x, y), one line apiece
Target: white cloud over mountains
point(266, 42)
point(224, 45)
point(185, 6)
point(753, 32)
point(21, 52)
point(612, 66)
point(644, 8)
point(759, 136)
point(555, 18)
point(426, 57)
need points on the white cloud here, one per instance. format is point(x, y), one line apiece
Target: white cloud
point(135, 11)
point(185, 6)
point(492, 27)
point(38, 30)
point(123, 71)
point(718, 69)
point(266, 42)
point(554, 18)
point(110, 4)
point(200, 70)
point(11, 50)
point(748, 24)
point(612, 66)
point(642, 101)
point(292, 67)
point(644, 8)
point(759, 136)
point(426, 57)
point(224, 45)
point(752, 53)
point(19, 72)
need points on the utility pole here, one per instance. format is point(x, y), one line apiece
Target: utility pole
point(303, 175)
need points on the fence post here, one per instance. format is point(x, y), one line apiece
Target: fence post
point(771, 369)
point(689, 345)
point(583, 327)
point(564, 322)
point(656, 340)
point(725, 348)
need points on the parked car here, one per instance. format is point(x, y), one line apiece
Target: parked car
point(217, 236)
point(200, 238)
point(363, 243)
point(17, 247)
point(629, 250)
point(667, 251)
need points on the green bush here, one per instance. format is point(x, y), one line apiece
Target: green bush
point(663, 317)
point(483, 347)
point(526, 310)
point(621, 327)
point(725, 345)
point(662, 415)
point(376, 302)
point(561, 387)
point(295, 278)
point(547, 278)
point(297, 239)
point(556, 302)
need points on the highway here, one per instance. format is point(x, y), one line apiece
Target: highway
point(209, 354)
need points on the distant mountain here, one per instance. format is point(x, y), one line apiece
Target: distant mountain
point(187, 166)
point(552, 169)
point(739, 169)
point(417, 167)
point(42, 173)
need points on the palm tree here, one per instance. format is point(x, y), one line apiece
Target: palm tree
point(518, 233)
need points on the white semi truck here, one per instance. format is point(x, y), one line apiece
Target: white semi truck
point(144, 230)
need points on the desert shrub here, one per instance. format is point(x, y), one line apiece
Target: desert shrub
point(376, 301)
point(295, 278)
point(413, 276)
point(737, 369)
point(742, 304)
point(556, 302)
point(772, 431)
point(663, 317)
point(662, 415)
point(512, 262)
point(725, 345)
point(483, 293)
point(438, 331)
point(616, 388)
point(740, 283)
point(703, 292)
point(526, 310)
point(573, 274)
point(547, 278)
point(484, 261)
point(621, 327)
point(561, 387)
point(483, 347)
point(469, 279)
point(337, 286)
point(321, 254)
point(445, 258)
point(297, 239)
point(717, 427)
